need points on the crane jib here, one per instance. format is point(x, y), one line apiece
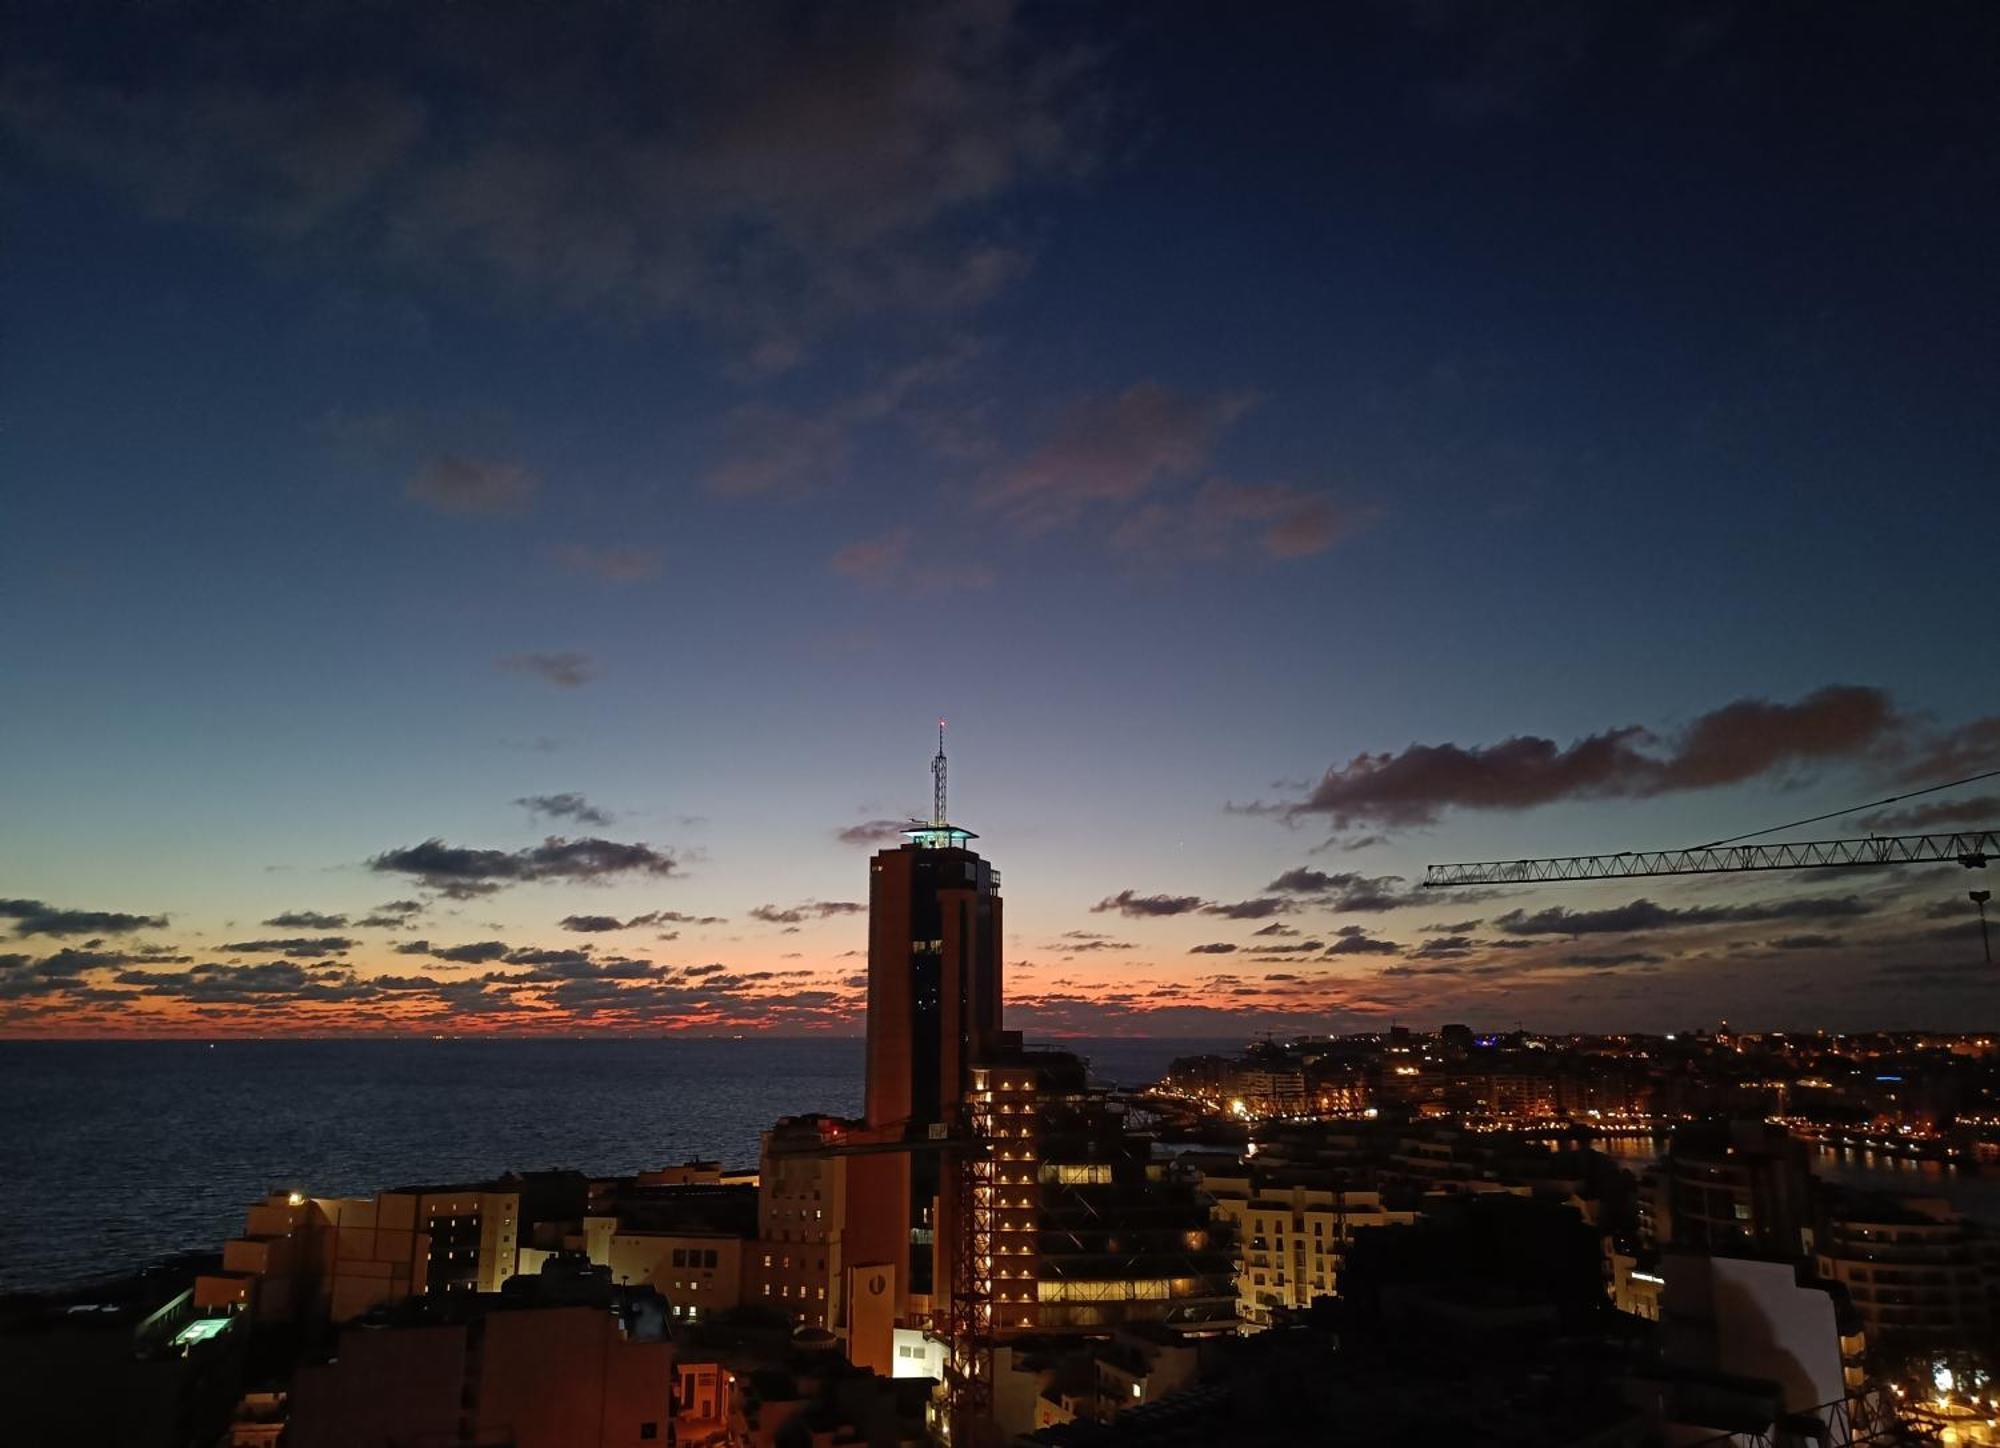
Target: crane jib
point(1970, 848)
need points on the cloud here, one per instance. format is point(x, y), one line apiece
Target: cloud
point(598, 924)
point(33, 917)
point(1444, 947)
point(1125, 902)
point(872, 832)
point(1262, 908)
point(1969, 749)
point(393, 915)
point(808, 910)
point(297, 947)
point(307, 920)
point(1743, 740)
point(1805, 942)
point(1611, 961)
point(1220, 947)
point(461, 873)
point(1275, 928)
point(591, 923)
point(573, 807)
point(1644, 915)
point(565, 669)
point(479, 952)
point(1354, 940)
point(1219, 518)
point(1111, 451)
point(1982, 810)
point(470, 488)
point(610, 564)
point(808, 168)
point(1347, 890)
point(888, 562)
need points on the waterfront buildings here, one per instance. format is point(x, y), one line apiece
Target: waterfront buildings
point(1918, 1273)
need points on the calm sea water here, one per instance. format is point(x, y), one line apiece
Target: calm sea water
point(113, 1154)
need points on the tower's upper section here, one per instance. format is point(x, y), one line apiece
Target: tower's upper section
point(939, 834)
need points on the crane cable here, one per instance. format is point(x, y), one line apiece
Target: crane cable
point(1873, 804)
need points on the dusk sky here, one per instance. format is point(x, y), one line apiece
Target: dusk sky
point(494, 499)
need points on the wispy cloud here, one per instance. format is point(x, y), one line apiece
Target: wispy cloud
point(566, 669)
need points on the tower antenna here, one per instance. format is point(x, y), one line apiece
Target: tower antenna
point(937, 781)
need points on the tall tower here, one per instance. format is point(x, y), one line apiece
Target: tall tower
point(934, 970)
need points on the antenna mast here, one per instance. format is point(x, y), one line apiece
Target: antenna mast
point(937, 781)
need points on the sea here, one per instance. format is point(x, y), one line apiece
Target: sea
point(114, 1154)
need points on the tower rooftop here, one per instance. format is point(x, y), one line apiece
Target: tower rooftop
point(938, 836)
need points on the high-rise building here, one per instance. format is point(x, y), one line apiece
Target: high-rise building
point(933, 1010)
point(933, 970)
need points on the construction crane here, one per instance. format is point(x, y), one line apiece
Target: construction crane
point(1970, 848)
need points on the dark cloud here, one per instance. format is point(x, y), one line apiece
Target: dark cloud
point(1443, 947)
point(611, 564)
point(1276, 927)
point(1126, 902)
point(1344, 890)
point(391, 916)
point(1354, 940)
point(1805, 942)
point(808, 910)
point(1262, 908)
point(595, 924)
point(275, 980)
point(846, 170)
point(873, 832)
point(1456, 927)
point(1220, 947)
point(1969, 749)
point(1644, 915)
point(569, 806)
point(1609, 962)
point(296, 947)
point(307, 920)
point(480, 952)
point(33, 917)
point(1982, 810)
point(566, 669)
point(472, 487)
point(461, 873)
point(1742, 740)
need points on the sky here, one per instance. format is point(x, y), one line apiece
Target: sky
point(495, 498)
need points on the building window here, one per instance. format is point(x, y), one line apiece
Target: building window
point(708, 1259)
point(649, 1431)
point(680, 1257)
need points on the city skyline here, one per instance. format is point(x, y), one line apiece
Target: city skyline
point(493, 567)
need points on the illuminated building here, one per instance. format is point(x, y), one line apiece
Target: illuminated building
point(1077, 1229)
point(934, 983)
point(303, 1259)
point(1293, 1225)
point(794, 1264)
point(687, 1240)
